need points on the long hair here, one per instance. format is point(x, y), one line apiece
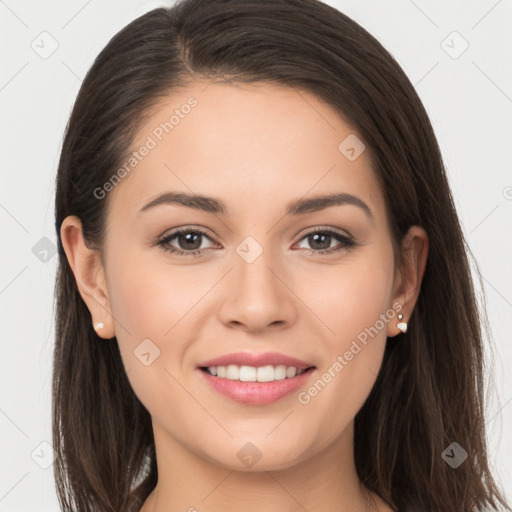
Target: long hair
point(430, 390)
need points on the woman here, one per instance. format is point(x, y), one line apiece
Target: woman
point(263, 285)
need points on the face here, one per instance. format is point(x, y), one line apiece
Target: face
point(250, 279)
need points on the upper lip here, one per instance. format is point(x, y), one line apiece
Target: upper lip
point(249, 359)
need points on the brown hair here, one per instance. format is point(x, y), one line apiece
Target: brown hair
point(429, 391)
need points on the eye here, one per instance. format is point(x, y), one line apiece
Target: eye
point(188, 239)
point(320, 241)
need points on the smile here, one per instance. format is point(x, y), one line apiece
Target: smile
point(254, 392)
point(244, 373)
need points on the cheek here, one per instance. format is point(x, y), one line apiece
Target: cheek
point(155, 307)
point(352, 301)
point(149, 305)
point(148, 299)
point(350, 297)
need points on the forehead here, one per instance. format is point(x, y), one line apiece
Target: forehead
point(258, 144)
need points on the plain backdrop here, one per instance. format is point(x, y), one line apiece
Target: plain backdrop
point(458, 54)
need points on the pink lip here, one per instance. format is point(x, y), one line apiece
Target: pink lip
point(256, 393)
point(256, 360)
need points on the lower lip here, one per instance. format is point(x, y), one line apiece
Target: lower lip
point(256, 393)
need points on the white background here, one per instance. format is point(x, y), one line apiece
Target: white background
point(469, 100)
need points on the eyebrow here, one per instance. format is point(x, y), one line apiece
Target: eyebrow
point(299, 207)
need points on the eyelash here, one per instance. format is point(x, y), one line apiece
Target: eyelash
point(347, 242)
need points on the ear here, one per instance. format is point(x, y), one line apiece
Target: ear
point(407, 283)
point(89, 274)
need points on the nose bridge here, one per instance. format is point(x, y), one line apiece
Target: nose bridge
point(253, 262)
point(256, 297)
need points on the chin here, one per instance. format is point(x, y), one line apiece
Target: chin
point(250, 458)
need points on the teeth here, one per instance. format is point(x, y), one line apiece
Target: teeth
point(252, 374)
point(232, 372)
point(291, 371)
point(280, 371)
point(247, 373)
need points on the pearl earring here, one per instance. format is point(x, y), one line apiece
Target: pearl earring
point(401, 325)
point(99, 325)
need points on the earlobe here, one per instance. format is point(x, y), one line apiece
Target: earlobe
point(89, 275)
point(408, 283)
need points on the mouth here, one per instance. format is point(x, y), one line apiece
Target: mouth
point(244, 373)
point(256, 379)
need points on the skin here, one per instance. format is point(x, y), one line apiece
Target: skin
point(255, 147)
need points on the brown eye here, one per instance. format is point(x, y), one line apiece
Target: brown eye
point(320, 241)
point(188, 241)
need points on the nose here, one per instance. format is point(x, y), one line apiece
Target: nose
point(257, 296)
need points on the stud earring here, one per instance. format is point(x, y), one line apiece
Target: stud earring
point(99, 325)
point(401, 325)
